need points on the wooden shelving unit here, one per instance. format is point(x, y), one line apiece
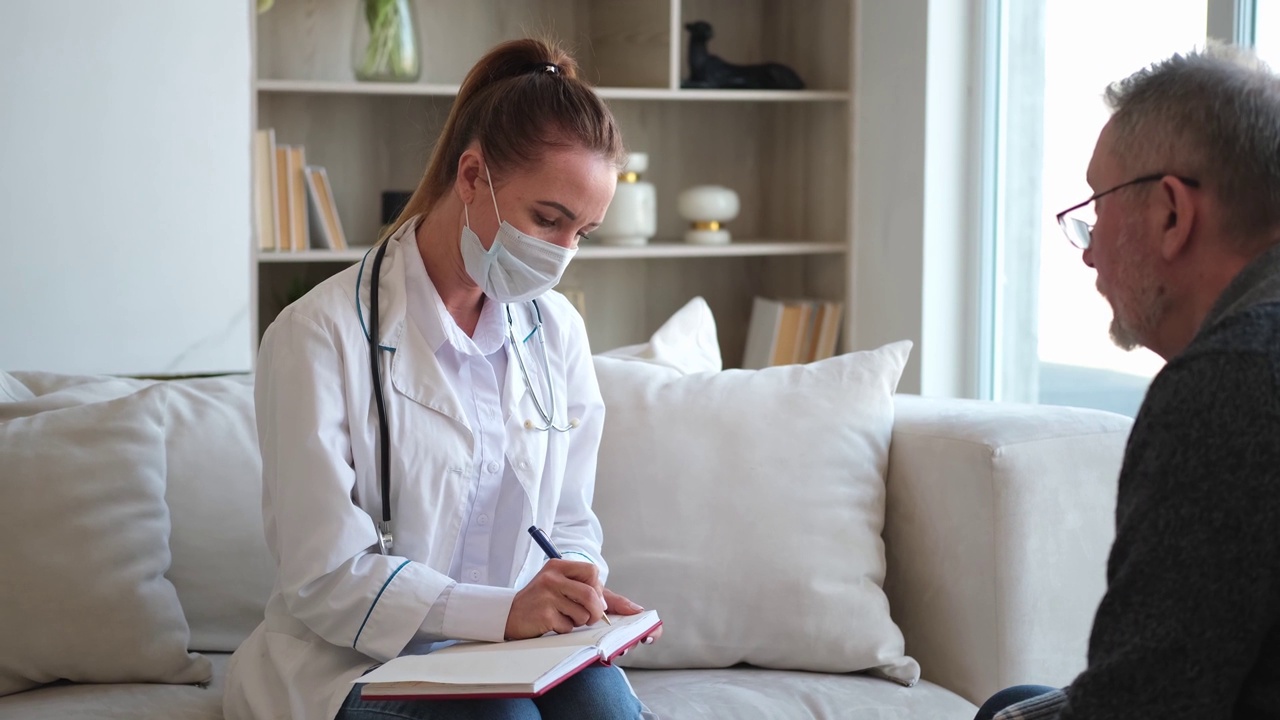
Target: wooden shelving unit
point(787, 154)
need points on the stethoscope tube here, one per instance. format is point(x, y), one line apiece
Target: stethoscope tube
point(385, 539)
point(548, 413)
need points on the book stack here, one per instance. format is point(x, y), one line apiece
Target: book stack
point(291, 198)
point(785, 332)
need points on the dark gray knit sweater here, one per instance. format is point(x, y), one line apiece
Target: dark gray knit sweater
point(1188, 628)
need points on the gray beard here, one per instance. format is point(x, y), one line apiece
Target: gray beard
point(1123, 337)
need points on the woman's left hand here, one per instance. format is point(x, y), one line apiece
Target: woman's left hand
point(619, 605)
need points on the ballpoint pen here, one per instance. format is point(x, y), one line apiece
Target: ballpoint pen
point(550, 550)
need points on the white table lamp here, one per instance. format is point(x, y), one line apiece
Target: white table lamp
point(707, 208)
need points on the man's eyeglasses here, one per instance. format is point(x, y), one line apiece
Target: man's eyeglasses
point(1080, 231)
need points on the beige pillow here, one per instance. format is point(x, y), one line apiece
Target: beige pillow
point(221, 567)
point(11, 390)
point(746, 507)
point(85, 531)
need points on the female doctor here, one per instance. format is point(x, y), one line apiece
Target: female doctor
point(492, 420)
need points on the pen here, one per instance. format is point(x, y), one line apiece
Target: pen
point(550, 550)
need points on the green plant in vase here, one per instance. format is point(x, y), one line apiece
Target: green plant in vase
point(386, 43)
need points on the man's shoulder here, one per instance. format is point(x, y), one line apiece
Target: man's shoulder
point(1251, 330)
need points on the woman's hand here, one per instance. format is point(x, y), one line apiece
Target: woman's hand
point(619, 605)
point(562, 596)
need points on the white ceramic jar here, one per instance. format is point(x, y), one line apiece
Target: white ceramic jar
point(632, 217)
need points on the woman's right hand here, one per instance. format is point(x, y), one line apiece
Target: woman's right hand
point(562, 596)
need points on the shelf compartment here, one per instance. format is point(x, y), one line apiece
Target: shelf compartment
point(808, 36)
point(616, 42)
point(341, 87)
point(652, 251)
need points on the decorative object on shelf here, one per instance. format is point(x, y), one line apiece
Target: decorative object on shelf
point(707, 207)
point(710, 71)
point(632, 217)
point(385, 46)
point(264, 5)
point(393, 201)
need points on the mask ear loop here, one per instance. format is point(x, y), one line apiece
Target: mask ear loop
point(492, 194)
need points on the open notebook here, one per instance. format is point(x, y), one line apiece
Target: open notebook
point(519, 668)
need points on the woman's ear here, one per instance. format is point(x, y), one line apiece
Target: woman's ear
point(470, 176)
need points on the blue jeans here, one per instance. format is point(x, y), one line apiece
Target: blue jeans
point(1009, 696)
point(599, 691)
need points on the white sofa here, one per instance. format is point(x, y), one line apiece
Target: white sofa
point(998, 521)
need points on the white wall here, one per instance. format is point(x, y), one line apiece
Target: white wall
point(124, 186)
point(917, 199)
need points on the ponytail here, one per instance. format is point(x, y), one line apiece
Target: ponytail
point(522, 97)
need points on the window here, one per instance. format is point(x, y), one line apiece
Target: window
point(1266, 28)
point(1049, 325)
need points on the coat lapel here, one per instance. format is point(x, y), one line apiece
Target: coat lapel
point(415, 372)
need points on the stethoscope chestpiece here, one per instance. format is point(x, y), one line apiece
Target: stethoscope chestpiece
point(385, 539)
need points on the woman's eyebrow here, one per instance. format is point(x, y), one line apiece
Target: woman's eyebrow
point(558, 206)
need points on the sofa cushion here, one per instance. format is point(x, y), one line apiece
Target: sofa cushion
point(56, 390)
point(740, 693)
point(85, 530)
point(221, 567)
point(746, 507)
point(745, 693)
point(11, 390)
point(122, 701)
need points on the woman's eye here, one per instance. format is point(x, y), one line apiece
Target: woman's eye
point(544, 221)
point(584, 236)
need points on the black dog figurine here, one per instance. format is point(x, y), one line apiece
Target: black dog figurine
point(709, 71)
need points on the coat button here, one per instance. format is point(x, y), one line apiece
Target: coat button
point(493, 467)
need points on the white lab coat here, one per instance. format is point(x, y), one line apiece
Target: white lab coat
point(338, 607)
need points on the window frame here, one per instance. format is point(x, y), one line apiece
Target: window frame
point(1229, 21)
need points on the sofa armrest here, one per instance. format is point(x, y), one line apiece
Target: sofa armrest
point(999, 519)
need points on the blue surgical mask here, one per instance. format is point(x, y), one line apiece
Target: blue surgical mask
point(517, 267)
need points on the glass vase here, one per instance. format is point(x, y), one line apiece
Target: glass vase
point(385, 44)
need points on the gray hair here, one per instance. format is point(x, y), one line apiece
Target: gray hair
point(1214, 115)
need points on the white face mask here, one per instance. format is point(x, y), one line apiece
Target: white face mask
point(517, 267)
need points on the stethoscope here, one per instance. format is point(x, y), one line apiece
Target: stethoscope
point(545, 412)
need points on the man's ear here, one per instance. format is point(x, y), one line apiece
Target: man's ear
point(1178, 206)
point(470, 176)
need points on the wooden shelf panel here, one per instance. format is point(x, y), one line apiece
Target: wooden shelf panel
point(322, 87)
point(652, 251)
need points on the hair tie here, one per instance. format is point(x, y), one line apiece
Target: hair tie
point(546, 67)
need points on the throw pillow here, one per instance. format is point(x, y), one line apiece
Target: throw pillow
point(11, 390)
point(746, 507)
point(85, 530)
point(686, 341)
point(221, 567)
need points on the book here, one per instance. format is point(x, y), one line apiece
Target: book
point(828, 330)
point(265, 224)
point(284, 219)
point(790, 346)
point(323, 210)
point(299, 233)
point(513, 669)
point(780, 332)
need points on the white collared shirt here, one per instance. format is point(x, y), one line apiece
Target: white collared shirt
point(476, 366)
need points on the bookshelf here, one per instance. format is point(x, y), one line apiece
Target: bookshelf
point(788, 154)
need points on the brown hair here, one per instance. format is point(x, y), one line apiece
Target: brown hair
point(1214, 115)
point(522, 97)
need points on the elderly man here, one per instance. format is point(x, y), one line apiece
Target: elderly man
point(1186, 245)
